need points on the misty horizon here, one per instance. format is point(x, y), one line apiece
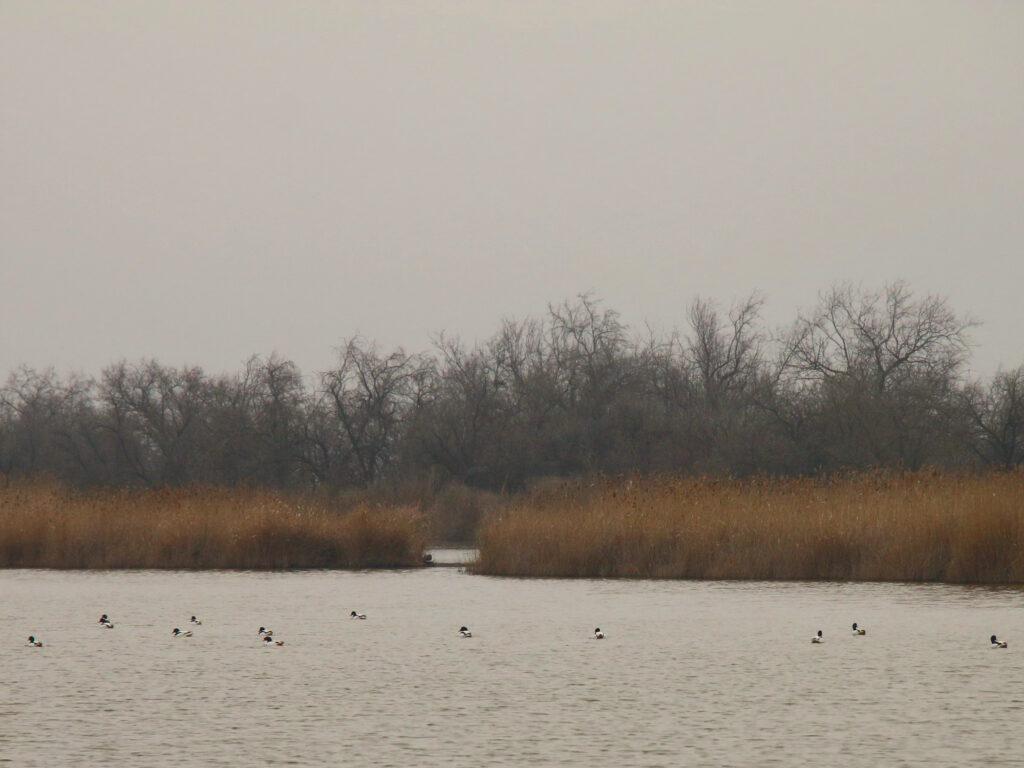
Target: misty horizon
point(198, 182)
point(638, 333)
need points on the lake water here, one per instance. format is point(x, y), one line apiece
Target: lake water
point(691, 673)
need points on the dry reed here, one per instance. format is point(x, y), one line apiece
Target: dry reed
point(911, 527)
point(46, 526)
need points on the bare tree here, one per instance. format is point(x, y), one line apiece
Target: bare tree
point(155, 414)
point(876, 335)
point(881, 367)
point(997, 417)
point(726, 352)
point(371, 393)
point(591, 359)
point(866, 378)
point(37, 412)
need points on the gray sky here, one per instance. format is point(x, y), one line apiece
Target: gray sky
point(203, 180)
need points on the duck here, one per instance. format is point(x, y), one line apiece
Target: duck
point(105, 622)
point(268, 640)
point(178, 633)
point(858, 631)
point(355, 615)
point(598, 634)
point(195, 621)
point(33, 643)
point(464, 632)
point(997, 643)
point(818, 638)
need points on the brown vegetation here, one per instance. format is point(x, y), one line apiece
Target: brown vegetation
point(450, 512)
point(874, 527)
point(43, 525)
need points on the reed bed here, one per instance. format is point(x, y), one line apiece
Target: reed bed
point(46, 526)
point(911, 527)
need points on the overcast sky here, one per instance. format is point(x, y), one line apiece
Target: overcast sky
point(199, 181)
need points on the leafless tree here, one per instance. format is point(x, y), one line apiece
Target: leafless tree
point(36, 417)
point(865, 379)
point(726, 351)
point(370, 393)
point(875, 336)
point(997, 417)
point(155, 414)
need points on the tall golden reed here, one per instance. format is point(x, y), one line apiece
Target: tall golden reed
point(910, 527)
point(43, 525)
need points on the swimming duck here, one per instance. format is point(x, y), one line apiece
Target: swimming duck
point(178, 633)
point(598, 634)
point(195, 621)
point(267, 640)
point(464, 632)
point(355, 615)
point(33, 643)
point(997, 643)
point(818, 638)
point(105, 622)
point(857, 631)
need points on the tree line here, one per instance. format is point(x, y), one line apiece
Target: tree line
point(866, 379)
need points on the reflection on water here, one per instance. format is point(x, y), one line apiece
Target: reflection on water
point(691, 673)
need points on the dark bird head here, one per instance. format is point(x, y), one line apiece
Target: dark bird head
point(855, 625)
point(463, 629)
point(994, 641)
point(819, 633)
point(31, 638)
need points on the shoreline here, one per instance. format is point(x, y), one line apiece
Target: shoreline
point(468, 571)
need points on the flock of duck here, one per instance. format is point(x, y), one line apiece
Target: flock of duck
point(858, 631)
point(266, 636)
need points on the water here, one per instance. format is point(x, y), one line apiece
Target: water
point(451, 556)
point(718, 674)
